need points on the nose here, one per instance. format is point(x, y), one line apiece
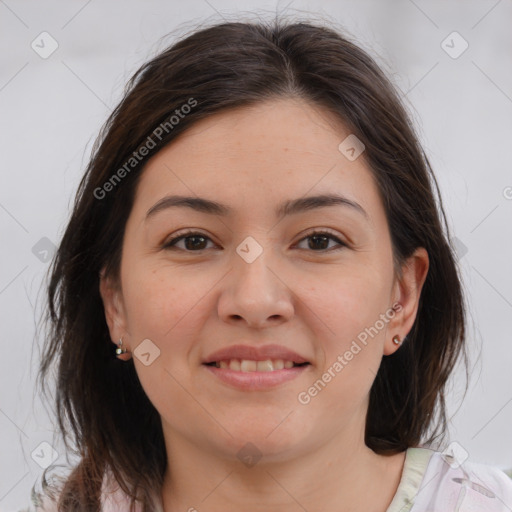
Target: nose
point(255, 294)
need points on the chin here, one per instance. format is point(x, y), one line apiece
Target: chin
point(275, 440)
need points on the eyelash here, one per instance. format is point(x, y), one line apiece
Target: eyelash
point(170, 245)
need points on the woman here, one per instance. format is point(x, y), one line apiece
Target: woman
point(255, 305)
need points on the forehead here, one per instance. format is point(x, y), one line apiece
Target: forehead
point(258, 154)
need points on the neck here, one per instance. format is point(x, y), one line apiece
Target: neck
point(332, 477)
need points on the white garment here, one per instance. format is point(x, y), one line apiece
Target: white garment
point(431, 482)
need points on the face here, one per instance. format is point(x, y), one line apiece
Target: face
point(267, 313)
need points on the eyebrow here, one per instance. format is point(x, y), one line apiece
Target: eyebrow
point(290, 207)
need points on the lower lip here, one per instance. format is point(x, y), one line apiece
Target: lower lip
point(256, 380)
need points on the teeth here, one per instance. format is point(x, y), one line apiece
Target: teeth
point(265, 366)
point(279, 364)
point(246, 365)
point(234, 365)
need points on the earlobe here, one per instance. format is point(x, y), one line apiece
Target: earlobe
point(407, 293)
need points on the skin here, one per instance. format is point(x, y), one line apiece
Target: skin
point(310, 299)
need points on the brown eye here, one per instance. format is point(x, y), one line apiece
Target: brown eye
point(319, 241)
point(192, 242)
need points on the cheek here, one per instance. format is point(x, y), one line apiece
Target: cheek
point(349, 301)
point(162, 301)
point(350, 307)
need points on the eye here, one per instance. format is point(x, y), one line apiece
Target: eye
point(193, 242)
point(196, 241)
point(319, 241)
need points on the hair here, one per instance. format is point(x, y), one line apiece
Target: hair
point(100, 403)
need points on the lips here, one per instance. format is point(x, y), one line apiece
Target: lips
point(255, 368)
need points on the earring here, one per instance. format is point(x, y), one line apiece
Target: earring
point(122, 353)
point(396, 340)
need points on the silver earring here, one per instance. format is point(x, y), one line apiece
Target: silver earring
point(396, 340)
point(120, 350)
point(122, 353)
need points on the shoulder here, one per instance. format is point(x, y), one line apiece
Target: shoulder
point(451, 483)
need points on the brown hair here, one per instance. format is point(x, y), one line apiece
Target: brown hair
point(99, 400)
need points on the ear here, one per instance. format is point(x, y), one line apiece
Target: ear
point(115, 316)
point(407, 292)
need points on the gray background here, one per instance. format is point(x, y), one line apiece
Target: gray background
point(53, 108)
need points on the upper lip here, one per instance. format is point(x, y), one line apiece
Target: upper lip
point(251, 353)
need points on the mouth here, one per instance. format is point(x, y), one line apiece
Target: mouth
point(251, 368)
point(249, 365)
